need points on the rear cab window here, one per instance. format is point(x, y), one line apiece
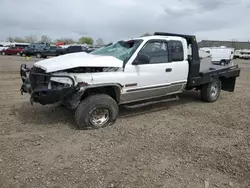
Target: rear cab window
point(175, 48)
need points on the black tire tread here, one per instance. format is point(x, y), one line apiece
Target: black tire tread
point(89, 102)
point(205, 93)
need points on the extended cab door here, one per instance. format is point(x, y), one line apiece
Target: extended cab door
point(160, 73)
point(147, 77)
point(178, 63)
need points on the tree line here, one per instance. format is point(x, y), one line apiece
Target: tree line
point(45, 38)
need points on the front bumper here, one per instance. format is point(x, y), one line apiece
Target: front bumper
point(39, 85)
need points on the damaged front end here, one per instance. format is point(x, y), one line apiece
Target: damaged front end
point(42, 88)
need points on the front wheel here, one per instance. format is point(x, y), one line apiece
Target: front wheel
point(96, 111)
point(210, 92)
point(3, 53)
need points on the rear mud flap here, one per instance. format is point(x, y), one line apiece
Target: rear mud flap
point(228, 84)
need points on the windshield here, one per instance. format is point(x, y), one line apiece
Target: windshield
point(121, 50)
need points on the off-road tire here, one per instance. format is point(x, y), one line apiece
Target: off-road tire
point(92, 102)
point(206, 91)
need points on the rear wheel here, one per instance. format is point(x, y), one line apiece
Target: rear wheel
point(3, 53)
point(223, 62)
point(18, 54)
point(96, 111)
point(210, 92)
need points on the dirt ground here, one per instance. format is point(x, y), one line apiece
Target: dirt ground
point(184, 143)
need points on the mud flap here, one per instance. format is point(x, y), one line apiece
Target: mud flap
point(228, 84)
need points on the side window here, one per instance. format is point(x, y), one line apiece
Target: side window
point(175, 48)
point(70, 48)
point(79, 48)
point(157, 51)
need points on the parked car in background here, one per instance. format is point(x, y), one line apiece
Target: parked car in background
point(3, 47)
point(237, 54)
point(91, 49)
point(71, 49)
point(48, 51)
point(244, 54)
point(34, 49)
point(12, 51)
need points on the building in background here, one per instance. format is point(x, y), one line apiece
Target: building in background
point(229, 44)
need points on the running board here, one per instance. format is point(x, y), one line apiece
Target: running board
point(155, 101)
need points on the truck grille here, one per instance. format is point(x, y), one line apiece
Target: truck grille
point(37, 80)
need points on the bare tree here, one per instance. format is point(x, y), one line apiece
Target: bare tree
point(19, 39)
point(45, 38)
point(10, 39)
point(99, 42)
point(31, 39)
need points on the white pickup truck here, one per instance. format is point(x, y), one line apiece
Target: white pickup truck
point(125, 72)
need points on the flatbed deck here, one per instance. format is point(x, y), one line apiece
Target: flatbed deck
point(207, 66)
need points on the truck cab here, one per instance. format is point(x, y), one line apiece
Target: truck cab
point(125, 72)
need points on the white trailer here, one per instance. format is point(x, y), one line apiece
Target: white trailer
point(221, 55)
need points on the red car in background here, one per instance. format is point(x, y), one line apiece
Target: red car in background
point(12, 51)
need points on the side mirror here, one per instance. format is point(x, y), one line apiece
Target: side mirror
point(141, 59)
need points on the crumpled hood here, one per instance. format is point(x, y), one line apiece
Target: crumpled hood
point(79, 59)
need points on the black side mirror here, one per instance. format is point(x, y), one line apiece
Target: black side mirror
point(141, 59)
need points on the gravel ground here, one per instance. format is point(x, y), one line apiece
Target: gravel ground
point(184, 143)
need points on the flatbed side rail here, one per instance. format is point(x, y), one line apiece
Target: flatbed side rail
point(227, 75)
point(231, 71)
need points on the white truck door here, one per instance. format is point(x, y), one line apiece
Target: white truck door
point(178, 64)
point(150, 79)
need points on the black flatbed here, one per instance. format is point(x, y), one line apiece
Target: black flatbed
point(207, 66)
point(209, 72)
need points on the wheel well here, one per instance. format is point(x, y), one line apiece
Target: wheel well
point(113, 91)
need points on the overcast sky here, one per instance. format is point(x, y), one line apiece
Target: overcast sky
point(118, 19)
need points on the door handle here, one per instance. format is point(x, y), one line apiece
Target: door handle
point(168, 70)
